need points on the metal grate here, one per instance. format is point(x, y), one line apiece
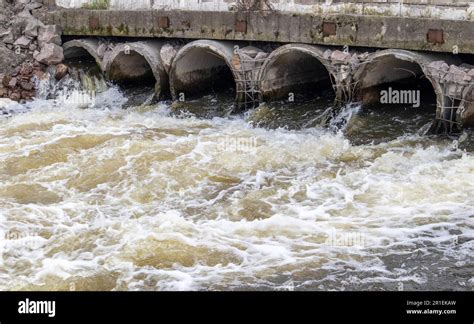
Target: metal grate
point(246, 71)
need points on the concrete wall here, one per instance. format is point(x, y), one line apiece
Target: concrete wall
point(441, 9)
point(351, 30)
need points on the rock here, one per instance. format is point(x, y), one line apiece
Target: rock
point(6, 80)
point(16, 71)
point(167, 54)
point(27, 86)
point(467, 66)
point(340, 56)
point(28, 94)
point(40, 75)
point(61, 71)
point(34, 5)
point(23, 42)
point(25, 13)
point(9, 39)
point(363, 56)
point(101, 49)
point(261, 56)
point(327, 54)
point(15, 96)
point(250, 51)
point(455, 74)
point(471, 73)
point(247, 62)
point(453, 90)
point(32, 27)
point(26, 69)
point(50, 54)
point(438, 69)
point(13, 82)
point(5, 33)
point(20, 22)
point(50, 34)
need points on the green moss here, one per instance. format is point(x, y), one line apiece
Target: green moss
point(97, 5)
point(123, 29)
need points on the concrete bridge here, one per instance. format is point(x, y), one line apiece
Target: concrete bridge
point(352, 47)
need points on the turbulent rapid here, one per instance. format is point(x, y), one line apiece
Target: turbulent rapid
point(99, 197)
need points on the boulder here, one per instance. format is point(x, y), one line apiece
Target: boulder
point(167, 54)
point(61, 71)
point(438, 69)
point(31, 28)
point(34, 5)
point(15, 96)
point(455, 74)
point(101, 49)
point(20, 22)
point(27, 85)
point(5, 33)
point(250, 51)
point(261, 56)
point(6, 80)
point(50, 54)
point(26, 70)
point(340, 56)
point(9, 39)
point(13, 82)
point(23, 42)
point(50, 34)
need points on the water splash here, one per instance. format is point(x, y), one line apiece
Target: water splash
point(138, 199)
point(344, 117)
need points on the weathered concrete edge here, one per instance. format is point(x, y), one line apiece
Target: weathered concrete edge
point(351, 30)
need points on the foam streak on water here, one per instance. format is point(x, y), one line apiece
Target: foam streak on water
point(112, 199)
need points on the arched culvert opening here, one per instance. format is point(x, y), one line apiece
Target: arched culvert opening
point(137, 69)
point(203, 69)
point(85, 78)
point(131, 68)
point(397, 94)
point(296, 71)
point(296, 88)
point(83, 54)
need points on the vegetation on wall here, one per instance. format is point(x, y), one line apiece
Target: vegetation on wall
point(97, 5)
point(253, 5)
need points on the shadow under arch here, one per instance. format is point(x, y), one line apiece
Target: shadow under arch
point(397, 70)
point(138, 63)
point(298, 69)
point(201, 67)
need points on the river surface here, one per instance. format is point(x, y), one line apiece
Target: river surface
point(156, 197)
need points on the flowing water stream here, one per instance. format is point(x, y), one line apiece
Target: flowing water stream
point(155, 197)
